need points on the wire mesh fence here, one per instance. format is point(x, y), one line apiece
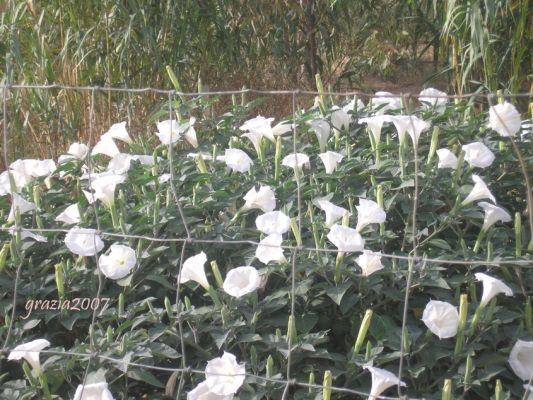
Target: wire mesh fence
point(184, 371)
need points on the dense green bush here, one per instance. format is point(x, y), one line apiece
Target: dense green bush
point(339, 310)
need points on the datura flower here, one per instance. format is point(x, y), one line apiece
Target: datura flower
point(381, 381)
point(346, 239)
point(120, 163)
point(333, 212)
point(83, 242)
point(369, 262)
point(93, 391)
point(256, 129)
point(269, 249)
point(31, 168)
point(491, 287)
point(237, 160)
point(479, 191)
point(27, 234)
point(446, 159)
point(322, 131)
point(504, 119)
point(193, 269)
point(282, 128)
point(263, 199)
point(105, 146)
point(170, 131)
point(385, 101)
point(202, 392)
point(441, 318)
point(273, 222)
point(104, 188)
point(118, 131)
point(224, 376)
point(296, 160)
point(241, 281)
point(375, 124)
point(78, 151)
point(478, 155)
point(331, 159)
point(369, 212)
point(70, 215)
point(260, 126)
point(493, 214)
point(23, 172)
point(340, 119)
point(20, 204)
point(433, 99)
point(30, 352)
point(118, 263)
point(521, 359)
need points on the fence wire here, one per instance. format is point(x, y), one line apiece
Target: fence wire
point(411, 257)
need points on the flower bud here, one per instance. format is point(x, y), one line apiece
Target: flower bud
point(3, 256)
point(200, 163)
point(217, 274)
point(463, 314)
point(468, 371)
point(60, 280)
point(121, 304)
point(363, 329)
point(447, 390)
point(311, 381)
point(277, 158)
point(296, 231)
point(326, 393)
point(270, 367)
point(291, 329)
point(528, 316)
point(434, 144)
point(109, 334)
point(518, 234)
point(498, 390)
point(168, 309)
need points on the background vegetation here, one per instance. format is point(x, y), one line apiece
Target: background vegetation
point(274, 44)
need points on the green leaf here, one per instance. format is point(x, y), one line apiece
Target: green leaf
point(146, 376)
point(336, 293)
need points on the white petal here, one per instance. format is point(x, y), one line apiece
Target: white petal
point(193, 269)
point(491, 287)
point(369, 212)
point(441, 318)
point(478, 155)
point(521, 359)
point(118, 263)
point(273, 222)
point(118, 131)
point(105, 146)
point(223, 375)
point(269, 249)
point(83, 242)
point(346, 239)
point(504, 119)
point(241, 281)
point(330, 160)
point(446, 159)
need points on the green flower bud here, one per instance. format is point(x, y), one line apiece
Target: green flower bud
point(326, 393)
point(363, 329)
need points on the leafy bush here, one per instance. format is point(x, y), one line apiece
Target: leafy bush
point(318, 307)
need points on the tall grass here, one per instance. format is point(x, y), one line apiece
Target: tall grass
point(234, 43)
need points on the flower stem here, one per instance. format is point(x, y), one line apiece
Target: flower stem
point(213, 294)
point(480, 237)
point(44, 386)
